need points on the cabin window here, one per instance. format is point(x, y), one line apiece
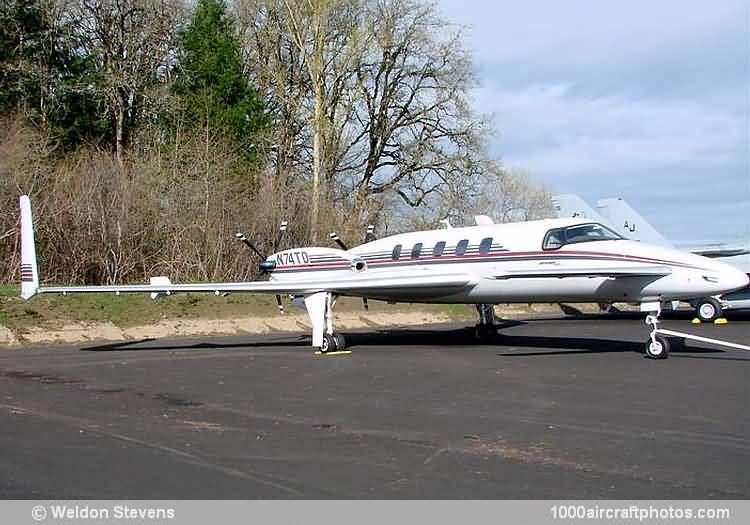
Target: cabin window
point(589, 233)
point(554, 239)
point(438, 250)
point(416, 250)
point(461, 247)
point(396, 252)
point(578, 233)
point(485, 246)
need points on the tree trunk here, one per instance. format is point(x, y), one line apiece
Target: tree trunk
point(317, 163)
point(119, 134)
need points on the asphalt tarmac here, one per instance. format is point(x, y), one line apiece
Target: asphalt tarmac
point(551, 408)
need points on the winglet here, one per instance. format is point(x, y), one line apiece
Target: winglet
point(29, 271)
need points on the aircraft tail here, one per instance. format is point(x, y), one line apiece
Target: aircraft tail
point(629, 223)
point(29, 270)
point(571, 205)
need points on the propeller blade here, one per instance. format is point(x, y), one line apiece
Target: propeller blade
point(364, 303)
point(335, 237)
point(280, 234)
point(279, 304)
point(370, 235)
point(244, 240)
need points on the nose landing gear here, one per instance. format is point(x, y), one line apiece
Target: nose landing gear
point(657, 346)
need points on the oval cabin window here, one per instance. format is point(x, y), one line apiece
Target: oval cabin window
point(438, 250)
point(461, 247)
point(485, 246)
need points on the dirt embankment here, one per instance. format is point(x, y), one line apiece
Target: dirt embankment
point(63, 330)
point(106, 331)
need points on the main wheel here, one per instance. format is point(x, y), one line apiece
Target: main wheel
point(484, 332)
point(340, 342)
point(329, 344)
point(658, 349)
point(708, 309)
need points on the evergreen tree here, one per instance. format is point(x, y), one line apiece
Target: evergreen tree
point(44, 74)
point(210, 80)
point(26, 46)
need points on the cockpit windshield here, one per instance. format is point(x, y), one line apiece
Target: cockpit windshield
point(579, 233)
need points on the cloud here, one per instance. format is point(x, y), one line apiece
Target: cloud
point(550, 129)
point(647, 100)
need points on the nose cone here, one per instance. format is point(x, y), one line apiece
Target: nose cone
point(740, 280)
point(730, 278)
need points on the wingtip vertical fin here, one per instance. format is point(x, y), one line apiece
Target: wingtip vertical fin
point(29, 270)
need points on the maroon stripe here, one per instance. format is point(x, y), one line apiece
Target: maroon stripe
point(476, 257)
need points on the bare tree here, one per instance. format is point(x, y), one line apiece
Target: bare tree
point(510, 195)
point(383, 98)
point(415, 130)
point(278, 69)
point(132, 43)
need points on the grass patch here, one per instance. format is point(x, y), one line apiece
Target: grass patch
point(128, 310)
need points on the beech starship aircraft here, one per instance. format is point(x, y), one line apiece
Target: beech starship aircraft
point(551, 260)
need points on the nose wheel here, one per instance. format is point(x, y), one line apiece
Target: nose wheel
point(657, 346)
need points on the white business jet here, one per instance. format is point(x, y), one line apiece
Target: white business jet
point(552, 260)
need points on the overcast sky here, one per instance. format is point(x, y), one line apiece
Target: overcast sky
point(647, 100)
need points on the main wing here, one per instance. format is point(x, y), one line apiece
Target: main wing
point(422, 281)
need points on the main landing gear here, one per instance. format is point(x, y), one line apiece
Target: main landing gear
point(486, 328)
point(319, 307)
point(333, 343)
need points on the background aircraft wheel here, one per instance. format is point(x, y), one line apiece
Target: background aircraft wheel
point(329, 344)
point(708, 309)
point(340, 342)
point(658, 349)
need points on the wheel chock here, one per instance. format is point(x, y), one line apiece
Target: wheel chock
point(721, 320)
point(343, 352)
point(696, 321)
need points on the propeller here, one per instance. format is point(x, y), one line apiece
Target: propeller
point(244, 240)
point(335, 238)
point(265, 266)
point(279, 234)
point(370, 235)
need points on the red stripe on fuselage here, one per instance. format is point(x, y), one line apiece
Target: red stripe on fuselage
point(385, 261)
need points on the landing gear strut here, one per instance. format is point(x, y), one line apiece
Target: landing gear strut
point(486, 328)
point(320, 309)
point(657, 346)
